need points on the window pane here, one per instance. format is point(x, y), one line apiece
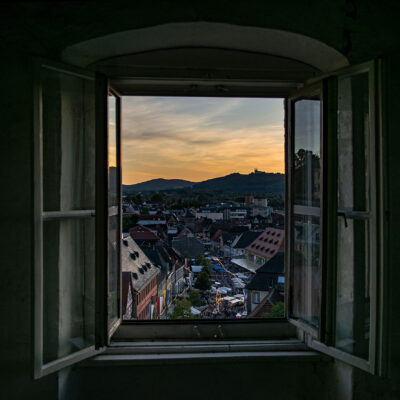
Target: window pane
point(112, 152)
point(113, 267)
point(353, 302)
point(306, 269)
point(307, 163)
point(353, 136)
point(68, 142)
point(353, 249)
point(306, 272)
point(68, 287)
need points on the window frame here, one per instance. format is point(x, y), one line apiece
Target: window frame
point(312, 89)
point(378, 357)
point(211, 330)
point(40, 368)
point(113, 211)
point(320, 339)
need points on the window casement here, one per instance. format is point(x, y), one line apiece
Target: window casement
point(334, 249)
point(334, 217)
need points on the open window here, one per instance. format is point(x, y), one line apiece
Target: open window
point(333, 249)
point(77, 215)
point(333, 219)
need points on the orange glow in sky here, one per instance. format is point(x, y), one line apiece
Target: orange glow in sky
point(197, 138)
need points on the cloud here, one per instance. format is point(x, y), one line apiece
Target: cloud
point(200, 138)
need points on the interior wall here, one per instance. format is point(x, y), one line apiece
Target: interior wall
point(212, 380)
point(16, 177)
point(360, 30)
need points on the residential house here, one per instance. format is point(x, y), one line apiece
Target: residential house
point(171, 280)
point(220, 239)
point(143, 235)
point(266, 245)
point(264, 281)
point(189, 245)
point(139, 282)
point(149, 220)
point(242, 241)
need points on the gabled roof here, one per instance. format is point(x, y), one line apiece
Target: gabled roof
point(190, 245)
point(268, 243)
point(184, 233)
point(140, 232)
point(275, 266)
point(161, 255)
point(267, 304)
point(135, 261)
point(246, 238)
point(225, 236)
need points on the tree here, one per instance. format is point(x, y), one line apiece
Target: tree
point(138, 199)
point(157, 198)
point(182, 310)
point(203, 280)
point(195, 298)
point(204, 262)
point(278, 311)
point(128, 221)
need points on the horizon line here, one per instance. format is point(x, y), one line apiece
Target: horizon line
point(207, 179)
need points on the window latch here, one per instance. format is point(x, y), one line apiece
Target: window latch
point(342, 214)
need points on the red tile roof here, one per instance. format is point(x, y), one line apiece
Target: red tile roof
point(140, 232)
point(268, 243)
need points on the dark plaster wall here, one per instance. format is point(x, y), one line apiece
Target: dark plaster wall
point(361, 30)
point(16, 235)
point(209, 380)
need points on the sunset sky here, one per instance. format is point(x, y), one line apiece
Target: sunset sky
point(200, 138)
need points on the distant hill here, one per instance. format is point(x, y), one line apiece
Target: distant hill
point(253, 183)
point(156, 185)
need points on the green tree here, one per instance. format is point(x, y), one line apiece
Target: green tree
point(138, 199)
point(201, 260)
point(128, 221)
point(278, 311)
point(203, 280)
point(182, 310)
point(157, 198)
point(195, 298)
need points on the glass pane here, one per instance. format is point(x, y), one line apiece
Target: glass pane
point(306, 269)
point(353, 136)
point(353, 250)
point(353, 302)
point(306, 276)
point(68, 287)
point(68, 142)
point(112, 152)
point(307, 163)
point(113, 267)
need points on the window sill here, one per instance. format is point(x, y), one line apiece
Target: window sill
point(206, 330)
point(125, 354)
